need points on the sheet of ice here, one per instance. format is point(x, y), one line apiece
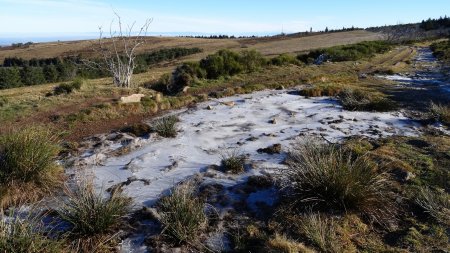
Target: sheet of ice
point(203, 134)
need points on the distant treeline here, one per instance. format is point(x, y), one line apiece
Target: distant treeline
point(16, 72)
point(434, 24)
point(224, 36)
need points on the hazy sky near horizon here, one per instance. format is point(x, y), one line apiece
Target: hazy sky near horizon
point(52, 17)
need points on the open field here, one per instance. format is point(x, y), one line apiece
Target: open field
point(268, 47)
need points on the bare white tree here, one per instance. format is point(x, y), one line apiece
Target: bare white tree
point(118, 50)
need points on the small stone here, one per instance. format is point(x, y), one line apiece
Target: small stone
point(209, 107)
point(135, 98)
point(273, 121)
point(185, 89)
point(152, 212)
point(229, 103)
point(274, 149)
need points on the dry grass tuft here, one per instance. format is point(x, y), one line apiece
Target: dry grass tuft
point(166, 127)
point(93, 218)
point(233, 160)
point(360, 100)
point(27, 164)
point(321, 232)
point(441, 112)
point(182, 214)
point(280, 243)
point(437, 205)
point(327, 177)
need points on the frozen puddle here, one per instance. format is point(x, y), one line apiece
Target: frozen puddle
point(255, 121)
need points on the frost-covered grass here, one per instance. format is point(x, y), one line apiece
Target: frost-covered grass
point(92, 217)
point(26, 234)
point(166, 127)
point(233, 160)
point(327, 177)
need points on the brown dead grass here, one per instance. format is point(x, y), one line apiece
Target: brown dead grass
point(267, 47)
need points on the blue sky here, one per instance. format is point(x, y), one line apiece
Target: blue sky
point(53, 17)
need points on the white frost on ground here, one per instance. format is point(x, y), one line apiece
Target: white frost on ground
point(204, 134)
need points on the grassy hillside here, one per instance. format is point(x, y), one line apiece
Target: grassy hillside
point(276, 45)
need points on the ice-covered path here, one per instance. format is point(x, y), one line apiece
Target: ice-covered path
point(254, 121)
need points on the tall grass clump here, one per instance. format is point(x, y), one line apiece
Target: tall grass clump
point(327, 177)
point(437, 205)
point(166, 127)
point(92, 217)
point(233, 160)
point(26, 235)
point(441, 112)
point(27, 160)
point(360, 100)
point(27, 155)
point(182, 214)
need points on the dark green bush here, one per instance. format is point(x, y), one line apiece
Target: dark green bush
point(222, 63)
point(284, 59)
point(348, 52)
point(252, 60)
point(51, 73)
point(441, 50)
point(32, 75)
point(66, 88)
point(10, 77)
point(183, 76)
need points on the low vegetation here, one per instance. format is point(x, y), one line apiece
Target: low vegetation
point(361, 100)
point(182, 214)
point(221, 64)
point(435, 204)
point(27, 162)
point(442, 50)
point(321, 232)
point(352, 52)
point(20, 234)
point(233, 161)
point(328, 178)
point(441, 113)
point(93, 218)
point(67, 88)
point(166, 126)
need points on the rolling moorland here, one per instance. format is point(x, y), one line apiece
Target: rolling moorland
point(333, 141)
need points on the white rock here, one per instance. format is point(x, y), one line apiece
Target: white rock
point(135, 98)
